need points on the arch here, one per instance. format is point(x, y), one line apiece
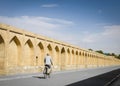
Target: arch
point(87, 54)
point(76, 59)
point(72, 51)
point(76, 52)
point(57, 49)
point(85, 59)
point(83, 54)
point(40, 45)
point(80, 58)
point(73, 57)
point(30, 43)
point(93, 60)
point(14, 52)
point(90, 60)
point(57, 56)
point(15, 38)
point(40, 54)
point(63, 50)
point(69, 57)
point(80, 53)
point(49, 48)
point(28, 53)
point(63, 59)
point(2, 53)
point(68, 50)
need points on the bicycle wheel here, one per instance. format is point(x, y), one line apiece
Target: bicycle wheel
point(45, 72)
point(45, 76)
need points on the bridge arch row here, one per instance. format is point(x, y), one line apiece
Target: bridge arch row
point(25, 52)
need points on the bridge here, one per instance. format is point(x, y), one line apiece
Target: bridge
point(23, 52)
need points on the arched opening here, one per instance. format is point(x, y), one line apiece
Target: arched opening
point(28, 53)
point(86, 60)
point(80, 59)
point(14, 52)
point(76, 59)
point(63, 62)
point(90, 60)
point(50, 50)
point(73, 59)
point(2, 54)
point(83, 57)
point(40, 54)
point(68, 57)
point(80, 53)
point(83, 54)
point(94, 60)
point(56, 57)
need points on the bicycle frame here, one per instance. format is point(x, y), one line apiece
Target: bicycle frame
point(47, 72)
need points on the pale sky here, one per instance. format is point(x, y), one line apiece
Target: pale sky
point(88, 24)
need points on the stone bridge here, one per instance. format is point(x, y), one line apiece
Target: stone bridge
point(23, 52)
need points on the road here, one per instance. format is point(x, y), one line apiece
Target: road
point(63, 78)
point(115, 81)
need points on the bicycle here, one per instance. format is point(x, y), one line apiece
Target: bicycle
point(47, 71)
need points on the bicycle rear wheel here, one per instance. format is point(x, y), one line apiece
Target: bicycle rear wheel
point(45, 72)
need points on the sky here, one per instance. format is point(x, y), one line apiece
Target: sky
point(89, 24)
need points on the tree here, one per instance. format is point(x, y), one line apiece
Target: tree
point(107, 54)
point(100, 51)
point(113, 54)
point(118, 56)
point(90, 49)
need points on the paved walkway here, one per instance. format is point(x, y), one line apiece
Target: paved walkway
point(57, 79)
point(105, 79)
point(115, 81)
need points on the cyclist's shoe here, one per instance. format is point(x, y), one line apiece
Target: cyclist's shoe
point(48, 75)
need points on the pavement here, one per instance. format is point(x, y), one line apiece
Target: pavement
point(115, 81)
point(105, 79)
point(61, 78)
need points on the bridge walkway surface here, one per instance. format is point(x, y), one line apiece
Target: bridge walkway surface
point(83, 77)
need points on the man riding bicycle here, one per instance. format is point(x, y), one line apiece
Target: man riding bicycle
point(48, 63)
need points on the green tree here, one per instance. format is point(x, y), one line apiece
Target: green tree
point(113, 54)
point(100, 51)
point(90, 49)
point(118, 56)
point(108, 54)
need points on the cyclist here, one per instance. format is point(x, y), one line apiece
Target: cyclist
point(48, 63)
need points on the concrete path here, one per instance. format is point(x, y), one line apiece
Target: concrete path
point(57, 78)
point(115, 81)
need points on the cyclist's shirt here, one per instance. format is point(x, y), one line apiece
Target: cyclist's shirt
point(48, 60)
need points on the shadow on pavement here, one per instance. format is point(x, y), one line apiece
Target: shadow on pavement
point(39, 77)
point(100, 80)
